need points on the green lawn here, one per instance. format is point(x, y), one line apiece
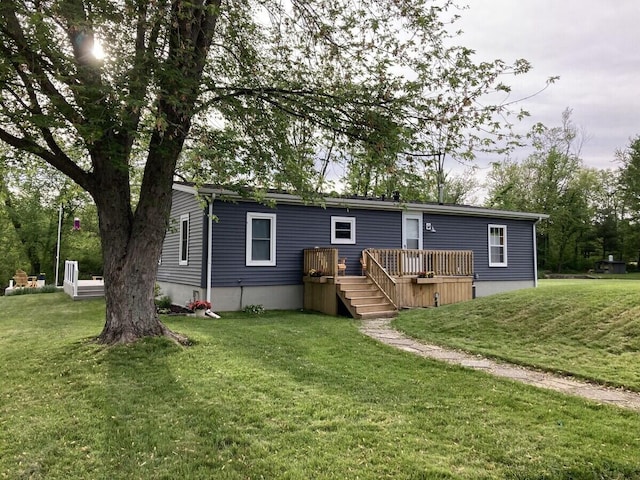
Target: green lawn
point(587, 328)
point(286, 395)
point(617, 276)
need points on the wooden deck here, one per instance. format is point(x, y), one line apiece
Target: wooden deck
point(323, 294)
point(416, 292)
point(392, 279)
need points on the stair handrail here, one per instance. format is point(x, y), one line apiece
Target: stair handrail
point(380, 277)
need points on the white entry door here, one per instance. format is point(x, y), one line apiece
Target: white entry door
point(412, 231)
point(411, 240)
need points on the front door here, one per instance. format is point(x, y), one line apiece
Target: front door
point(412, 231)
point(411, 240)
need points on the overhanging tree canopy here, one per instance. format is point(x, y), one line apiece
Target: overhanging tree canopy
point(263, 82)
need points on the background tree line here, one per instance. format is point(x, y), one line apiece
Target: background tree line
point(30, 200)
point(592, 213)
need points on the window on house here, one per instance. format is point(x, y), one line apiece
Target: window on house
point(497, 245)
point(343, 230)
point(261, 239)
point(184, 239)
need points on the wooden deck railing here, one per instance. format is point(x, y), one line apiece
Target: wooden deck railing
point(380, 277)
point(399, 263)
point(323, 260)
point(396, 262)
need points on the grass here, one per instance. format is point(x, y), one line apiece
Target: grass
point(612, 276)
point(285, 395)
point(618, 276)
point(586, 328)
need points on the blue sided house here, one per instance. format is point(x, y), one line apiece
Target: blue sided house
point(361, 257)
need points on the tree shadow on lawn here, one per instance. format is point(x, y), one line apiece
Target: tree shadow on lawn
point(151, 417)
point(132, 415)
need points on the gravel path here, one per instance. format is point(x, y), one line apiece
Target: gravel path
point(381, 330)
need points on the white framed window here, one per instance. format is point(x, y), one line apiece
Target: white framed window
point(261, 239)
point(497, 245)
point(184, 240)
point(343, 230)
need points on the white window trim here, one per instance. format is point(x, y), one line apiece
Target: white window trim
point(343, 241)
point(504, 228)
point(249, 240)
point(184, 261)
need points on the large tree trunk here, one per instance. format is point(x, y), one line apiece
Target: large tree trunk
point(131, 246)
point(130, 268)
point(129, 285)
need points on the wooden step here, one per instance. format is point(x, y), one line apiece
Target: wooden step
point(364, 299)
point(353, 281)
point(373, 307)
point(89, 292)
point(379, 314)
point(362, 293)
point(369, 300)
point(352, 285)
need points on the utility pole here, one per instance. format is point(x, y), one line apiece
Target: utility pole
point(58, 243)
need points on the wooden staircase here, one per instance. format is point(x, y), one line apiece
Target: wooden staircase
point(364, 299)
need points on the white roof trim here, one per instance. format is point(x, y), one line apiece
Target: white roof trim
point(460, 210)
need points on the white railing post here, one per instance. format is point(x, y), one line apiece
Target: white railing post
point(75, 279)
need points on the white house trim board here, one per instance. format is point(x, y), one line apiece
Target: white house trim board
point(209, 248)
point(286, 198)
point(183, 252)
point(497, 244)
point(270, 259)
point(535, 256)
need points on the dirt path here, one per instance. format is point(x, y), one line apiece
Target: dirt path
point(381, 330)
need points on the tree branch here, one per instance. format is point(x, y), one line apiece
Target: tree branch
point(33, 62)
point(59, 160)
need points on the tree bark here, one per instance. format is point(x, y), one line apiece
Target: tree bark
point(131, 248)
point(132, 242)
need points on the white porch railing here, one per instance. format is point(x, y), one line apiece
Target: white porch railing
point(70, 284)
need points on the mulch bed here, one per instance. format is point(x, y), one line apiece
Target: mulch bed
point(176, 310)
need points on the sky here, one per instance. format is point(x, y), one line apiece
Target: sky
point(593, 46)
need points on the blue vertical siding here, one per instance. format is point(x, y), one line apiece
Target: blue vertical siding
point(297, 227)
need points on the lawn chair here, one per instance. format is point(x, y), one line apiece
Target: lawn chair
point(21, 279)
point(342, 265)
point(363, 265)
point(32, 281)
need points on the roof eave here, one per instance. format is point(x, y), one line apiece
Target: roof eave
point(441, 209)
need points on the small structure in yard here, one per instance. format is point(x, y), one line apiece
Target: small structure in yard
point(21, 280)
point(81, 289)
point(610, 266)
